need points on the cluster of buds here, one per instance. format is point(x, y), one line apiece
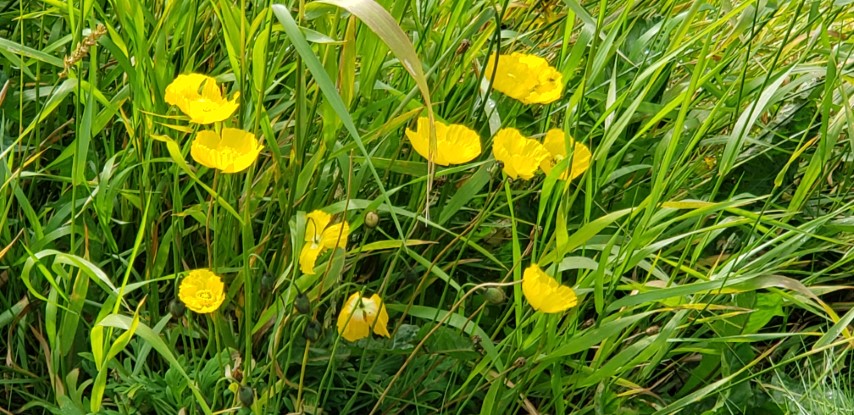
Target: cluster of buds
point(83, 49)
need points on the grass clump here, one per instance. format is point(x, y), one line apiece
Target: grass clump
point(426, 207)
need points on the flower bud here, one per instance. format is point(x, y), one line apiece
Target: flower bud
point(246, 395)
point(372, 219)
point(312, 331)
point(177, 308)
point(494, 295)
point(302, 304)
point(267, 281)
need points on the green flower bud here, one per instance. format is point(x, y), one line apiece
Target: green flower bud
point(177, 308)
point(312, 330)
point(494, 295)
point(246, 395)
point(372, 219)
point(302, 304)
point(267, 281)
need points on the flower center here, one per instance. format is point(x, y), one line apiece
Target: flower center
point(316, 240)
point(204, 295)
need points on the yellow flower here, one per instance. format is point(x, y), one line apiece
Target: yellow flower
point(455, 143)
point(319, 236)
point(555, 143)
point(232, 152)
point(544, 293)
point(521, 156)
point(359, 315)
point(202, 291)
point(200, 98)
point(527, 78)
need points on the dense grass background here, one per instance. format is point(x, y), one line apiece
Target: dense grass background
point(710, 242)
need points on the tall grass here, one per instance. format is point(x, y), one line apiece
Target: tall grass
point(710, 242)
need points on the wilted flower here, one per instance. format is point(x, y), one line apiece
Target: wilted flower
point(361, 314)
point(455, 143)
point(232, 152)
point(200, 98)
point(544, 293)
point(319, 236)
point(202, 291)
point(527, 78)
point(521, 156)
point(556, 142)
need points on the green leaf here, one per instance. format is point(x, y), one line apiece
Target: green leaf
point(391, 244)
point(468, 191)
point(28, 52)
point(380, 22)
point(152, 338)
point(175, 153)
point(330, 92)
point(583, 235)
point(457, 321)
point(589, 338)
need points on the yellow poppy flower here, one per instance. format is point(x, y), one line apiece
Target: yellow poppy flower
point(555, 143)
point(320, 236)
point(455, 143)
point(200, 98)
point(527, 78)
point(544, 293)
point(202, 291)
point(521, 156)
point(359, 315)
point(232, 152)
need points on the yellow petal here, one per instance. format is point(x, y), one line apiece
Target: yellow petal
point(549, 84)
point(381, 322)
point(360, 314)
point(186, 85)
point(202, 291)
point(351, 320)
point(510, 76)
point(544, 293)
point(581, 157)
point(232, 152)
point(204, 148)
point(199, 97)
point(459, 145)
point(336, 236)
point(240, 149)
point(455, 144)
point(205, 111)
point(315, 223)
point(308, 257)
point(520, 156)
point(527, 78)
point(556, 142)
